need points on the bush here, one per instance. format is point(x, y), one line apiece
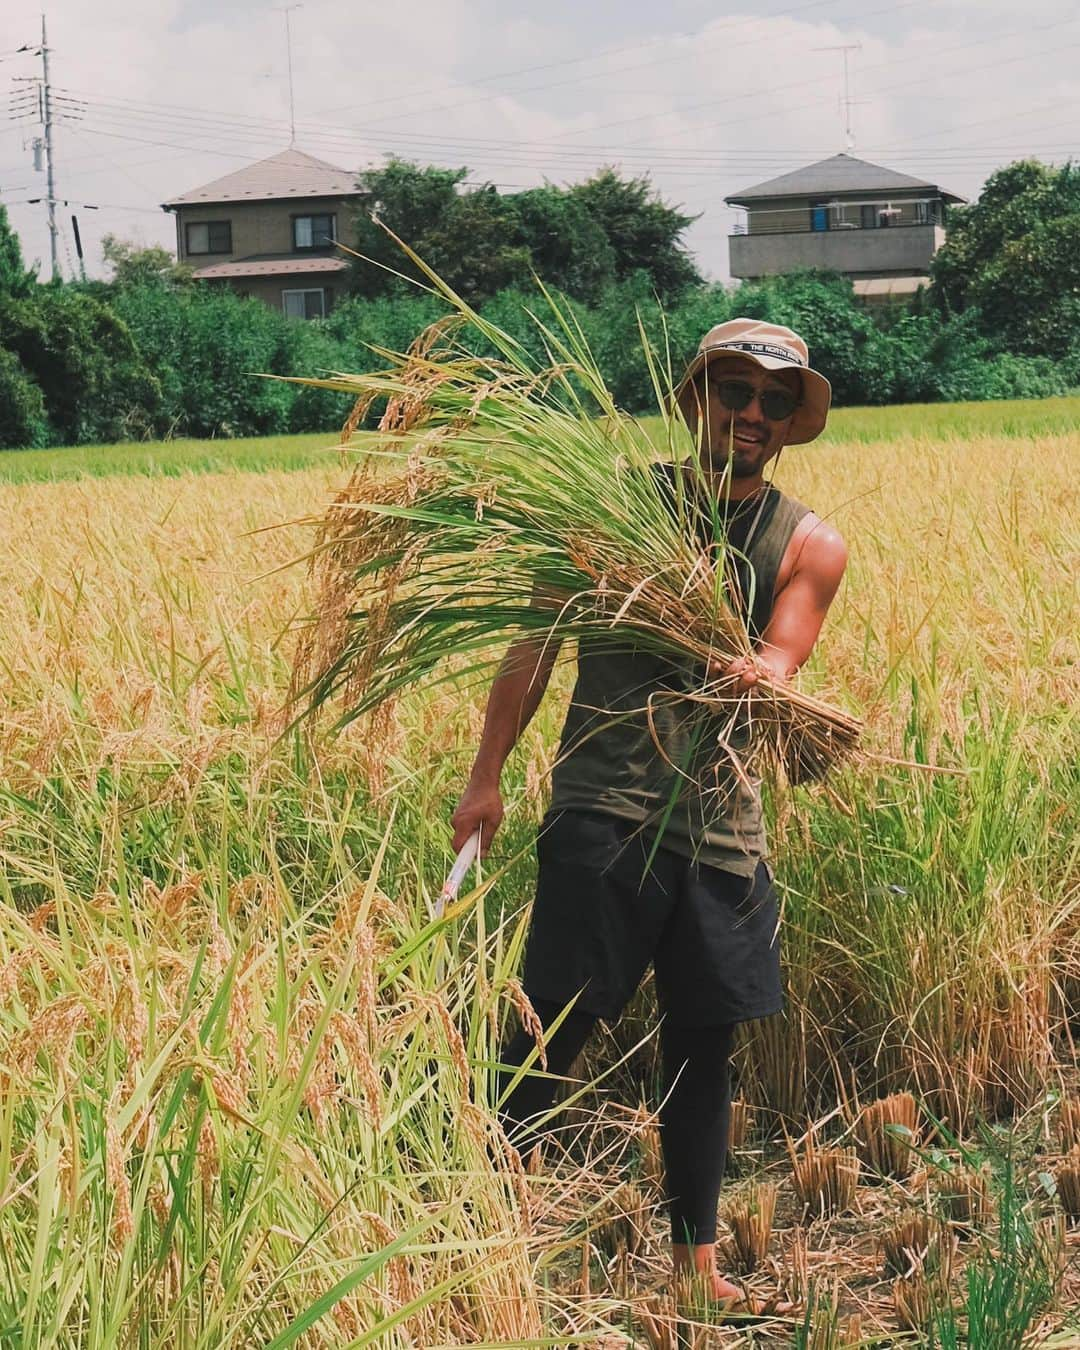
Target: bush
point(81, 355)
point(209, 346)
point(23, 424)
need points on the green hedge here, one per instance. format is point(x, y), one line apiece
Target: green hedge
point(102, 363)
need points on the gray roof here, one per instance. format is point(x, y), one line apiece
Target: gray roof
point(292, 173)
point(836, 176)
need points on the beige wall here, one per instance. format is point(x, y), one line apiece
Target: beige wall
point(779, 217)
point(263, 227)
point(858, 253)
point(268, 289)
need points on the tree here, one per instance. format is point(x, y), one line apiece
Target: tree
point(23, 424)
point(643, 231)
point(845, 343)
point(580, 239)
point(412, 201)
point(132, 264)
point(1029, 294)
point(15, 279)
point(81, 356)
point(567, 246)
point(1016, 200)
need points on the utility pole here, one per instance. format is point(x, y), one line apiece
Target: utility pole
point(49, 173)
point(847, 101)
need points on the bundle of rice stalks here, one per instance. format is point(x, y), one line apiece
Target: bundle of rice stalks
point(1067, 1176)
point(750, 1218)
point(624, 1223)
point(964, 1196)
point(918, 1245)
point(825, 1179)
point(888, 1134)
point(1069, 1123)
point(741, 1123)
point(511, 498)
point(916, 1302)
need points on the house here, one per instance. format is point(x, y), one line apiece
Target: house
point(269, 231)
point(878, 227)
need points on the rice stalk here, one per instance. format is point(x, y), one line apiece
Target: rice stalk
point(963, 1195)
point(520, 501)
point(1067, 1177)
point(750, 1218)
point(888, 1135)
point(825, 1179)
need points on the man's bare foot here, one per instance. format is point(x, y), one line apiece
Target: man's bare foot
point(709, 1290)
point(695, 1270)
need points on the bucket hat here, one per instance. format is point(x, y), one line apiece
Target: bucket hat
point(775, 348)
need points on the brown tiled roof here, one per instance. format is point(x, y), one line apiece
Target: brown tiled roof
point(269, 267)
point(837, 174)
point(292, 173)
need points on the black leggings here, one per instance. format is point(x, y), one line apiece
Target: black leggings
point(694, 1116)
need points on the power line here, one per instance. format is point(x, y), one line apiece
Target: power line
point(880, 65)
point(576, 60)
point(219, 124)
point(890, 8)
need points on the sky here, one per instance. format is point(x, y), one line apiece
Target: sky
point(156, 97)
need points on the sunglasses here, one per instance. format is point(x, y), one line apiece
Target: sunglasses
point(735, 395)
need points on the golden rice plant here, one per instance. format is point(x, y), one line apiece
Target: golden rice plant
point(888, 1135)
point(218, 1096)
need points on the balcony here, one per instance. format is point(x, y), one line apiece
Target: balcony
point(900, 250)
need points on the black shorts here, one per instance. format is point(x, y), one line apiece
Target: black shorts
point(602, 913)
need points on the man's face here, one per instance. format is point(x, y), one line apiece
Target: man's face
point(747, 438)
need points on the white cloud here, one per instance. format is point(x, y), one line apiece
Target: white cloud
point(944, 89)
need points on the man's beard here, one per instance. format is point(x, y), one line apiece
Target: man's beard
point(743, 463)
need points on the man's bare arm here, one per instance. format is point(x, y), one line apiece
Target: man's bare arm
point(515, 696)
point(798, 611)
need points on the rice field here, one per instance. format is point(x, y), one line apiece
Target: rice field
point(248, 1076)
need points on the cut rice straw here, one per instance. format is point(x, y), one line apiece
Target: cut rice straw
point(511, 498)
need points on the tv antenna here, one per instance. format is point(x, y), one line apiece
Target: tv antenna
point(847, 101)
point(287, 10)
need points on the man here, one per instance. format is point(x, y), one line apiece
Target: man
point(640, 857)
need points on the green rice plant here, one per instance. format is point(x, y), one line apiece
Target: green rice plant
point(1012, 1281)
point(229, 1121)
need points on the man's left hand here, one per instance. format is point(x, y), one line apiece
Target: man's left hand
point(745, 671)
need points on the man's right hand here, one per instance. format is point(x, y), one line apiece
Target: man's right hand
point(480, 808)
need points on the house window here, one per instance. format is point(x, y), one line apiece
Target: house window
point(922, 213)
point(868, 217)
point(211, 236)
point(313, 231)
point(306, 304)
point(819, 215)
